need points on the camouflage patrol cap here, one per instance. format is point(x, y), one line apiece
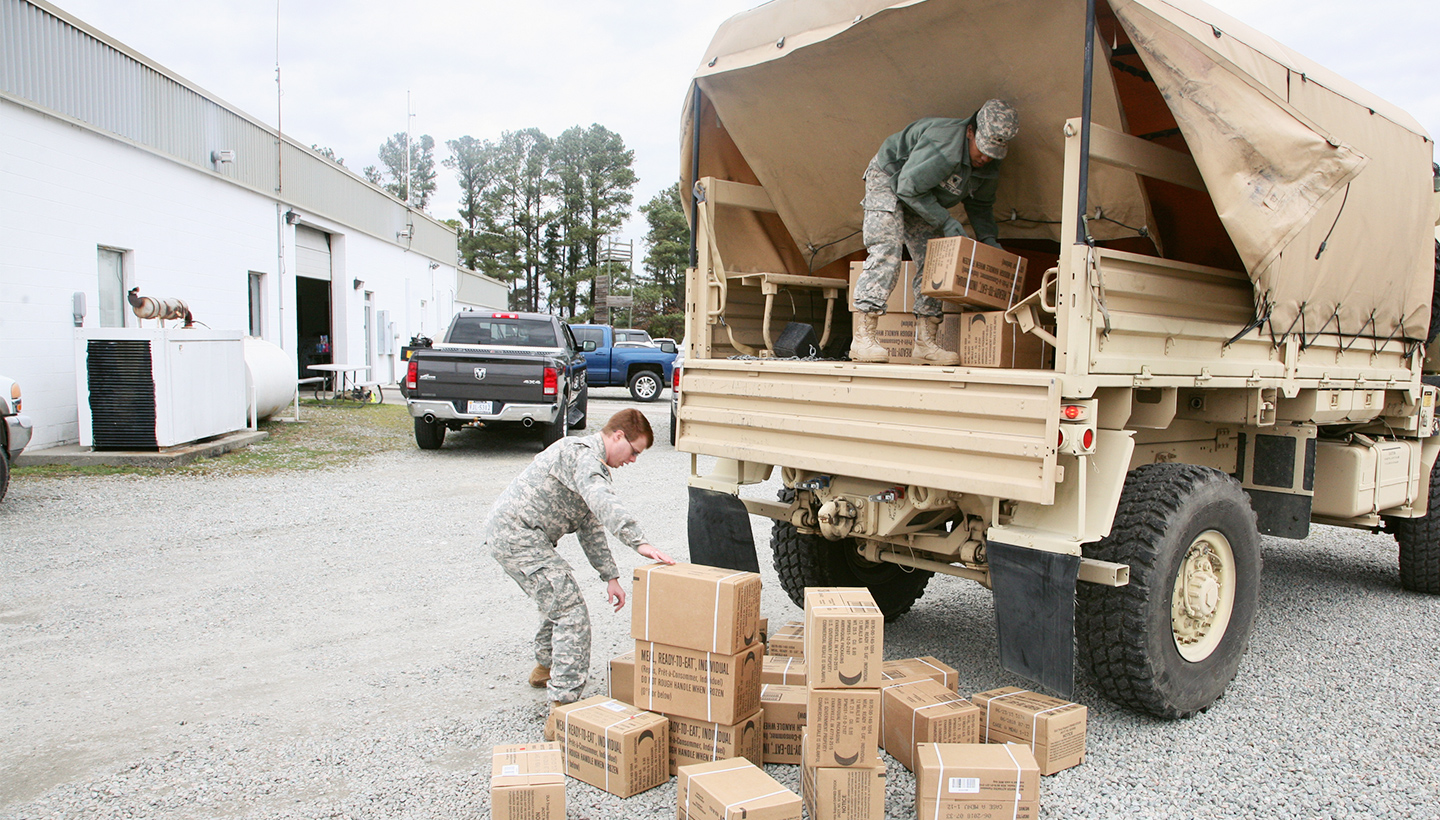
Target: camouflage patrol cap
point(995, 125)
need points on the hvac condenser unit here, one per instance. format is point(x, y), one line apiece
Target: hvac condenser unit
point(142, 389)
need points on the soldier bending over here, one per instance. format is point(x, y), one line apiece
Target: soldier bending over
point(914, 179)
point(567, 489)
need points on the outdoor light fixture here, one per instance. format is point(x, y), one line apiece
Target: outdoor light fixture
point(404, 233)
point(291, 217)
point(359, 283)
point(434, 265)
point(222, 156)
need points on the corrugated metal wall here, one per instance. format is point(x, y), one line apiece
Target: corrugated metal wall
point(52, 61)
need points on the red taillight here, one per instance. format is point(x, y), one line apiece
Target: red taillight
point(1087, 440)
point(675, 379)
point(552, 381)
point(504, 316)
point(1071, 412)
point(412, 375)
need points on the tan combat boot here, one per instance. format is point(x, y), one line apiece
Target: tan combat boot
point(539, 676)
point(925, 346)
point(863, 347)
point(549, 731)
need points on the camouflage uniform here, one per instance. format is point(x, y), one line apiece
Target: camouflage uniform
point(915, 178)
point(565, 489)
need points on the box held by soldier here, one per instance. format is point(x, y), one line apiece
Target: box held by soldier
point(726, 789)
point(785, 717)
point(855, 793)
point(1054, 729)
point(976, 781)
point(622, 677)
point(783, 671)
point(698, 741)
point(924, 711)
point(697, 684)
point(844, 726)
point(923, 666)
point(527, 782)
point(844, 638)
point(696, 607)
point(788, 641)
point(959, 269)
point(612, 745)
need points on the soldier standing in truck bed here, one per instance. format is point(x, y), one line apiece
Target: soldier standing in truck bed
point(918, 174)
point(567, 489)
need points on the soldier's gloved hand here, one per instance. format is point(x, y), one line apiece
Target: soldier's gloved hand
point(655, 555)
point(615, 594)
point(952, 227)
point(992, 242)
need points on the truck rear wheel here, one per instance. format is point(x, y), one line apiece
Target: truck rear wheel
point(429, 435)
point(1419, 540)
point(1171, 641)
point(807, 560)
point(555, 430)
point(645, 385)
point(582, 409)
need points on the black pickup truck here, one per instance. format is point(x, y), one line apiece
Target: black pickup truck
point(498, 370)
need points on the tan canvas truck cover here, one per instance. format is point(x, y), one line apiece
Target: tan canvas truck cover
point(796, 95)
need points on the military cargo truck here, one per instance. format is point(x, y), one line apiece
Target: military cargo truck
point(1232, 257)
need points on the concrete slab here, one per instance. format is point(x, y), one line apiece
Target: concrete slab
point(73, 455)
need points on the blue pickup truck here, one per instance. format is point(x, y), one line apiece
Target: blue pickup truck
point(612, 361)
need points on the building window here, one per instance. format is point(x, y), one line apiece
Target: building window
point(257, 326)
point(112, 287)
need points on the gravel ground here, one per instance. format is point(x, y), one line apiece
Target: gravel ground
point(331, 644)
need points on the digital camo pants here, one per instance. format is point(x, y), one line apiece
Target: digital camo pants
point(888, 228)
point(563, 640)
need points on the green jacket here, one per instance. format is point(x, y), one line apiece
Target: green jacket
point(929, 167)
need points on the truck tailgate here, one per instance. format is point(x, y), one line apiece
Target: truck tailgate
point(470, 376)
point(974, 430)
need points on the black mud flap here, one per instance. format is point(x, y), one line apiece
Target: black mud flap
point(719, 531)
point(1035, 613)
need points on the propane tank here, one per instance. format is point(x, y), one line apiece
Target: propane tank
point(269, 376)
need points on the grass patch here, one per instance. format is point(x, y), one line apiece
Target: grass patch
point(327, 436)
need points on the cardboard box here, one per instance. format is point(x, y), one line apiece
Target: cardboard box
point(987, 340)
point(787, 642)
point(1054, 729)
point(844, 638)
point(697, 684)
point(696, 741)
point(727, 789)
point(856, 793)
point(783, 671)
point(844, 726)
point(612, 745)
point(696, 607)
point(764, 630)
point(959, 269)
point(622, 677)
point(785, 718)
point(960, 781)
point(924, 666)
point(527, 782)
point(924, 711)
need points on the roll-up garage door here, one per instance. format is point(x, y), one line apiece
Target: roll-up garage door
point(312, 253)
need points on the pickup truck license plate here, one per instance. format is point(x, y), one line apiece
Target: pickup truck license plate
point(480, 408)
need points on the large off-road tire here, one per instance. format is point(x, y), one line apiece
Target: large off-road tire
point(1171, 641)
point(805, 560)
point(1419, 540)
point(645, 385)
point(429, 435)
point(673, 421)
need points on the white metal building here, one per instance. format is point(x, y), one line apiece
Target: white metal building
point(116, 173)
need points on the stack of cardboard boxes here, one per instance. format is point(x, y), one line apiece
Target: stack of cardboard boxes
point(698, 659)
point(976, 284)
point(842, 776)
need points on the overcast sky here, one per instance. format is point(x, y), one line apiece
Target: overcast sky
point(480, 67)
